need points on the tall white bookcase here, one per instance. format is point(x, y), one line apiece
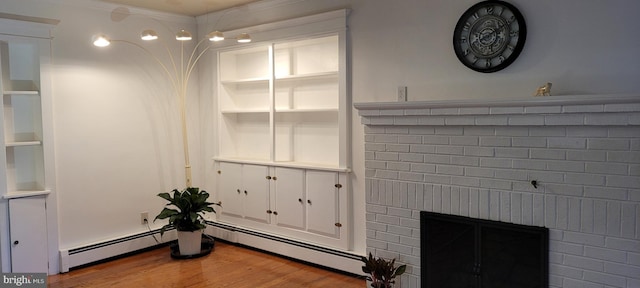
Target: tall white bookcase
point(29, 239)
point(283, 114)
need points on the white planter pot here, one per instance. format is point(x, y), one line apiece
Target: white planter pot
point(189, 242)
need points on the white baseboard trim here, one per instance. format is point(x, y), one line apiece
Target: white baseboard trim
point(328, 257)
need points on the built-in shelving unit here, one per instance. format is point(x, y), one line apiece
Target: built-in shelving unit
point(283, 118)
point(26, 162)
point(281, 102)
point(22, 137)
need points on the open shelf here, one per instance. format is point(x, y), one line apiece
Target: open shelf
point(22, 120)
point(25, 168)
point(318, 110)
point(309, 76)
point(23, 143)
point(244, 111)
point(246, 81)
point(25, 193)
point(244, 135)
point(281, 103)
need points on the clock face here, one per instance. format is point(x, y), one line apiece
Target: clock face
point(489, 36)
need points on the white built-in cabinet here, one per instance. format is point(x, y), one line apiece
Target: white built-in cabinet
point(310, 200)
point(283, 134)
point(28, 230)
point(304, 204)
point(28, 238)
point(246, 191)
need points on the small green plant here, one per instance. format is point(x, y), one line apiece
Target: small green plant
point(381, 272)
point(191, 203)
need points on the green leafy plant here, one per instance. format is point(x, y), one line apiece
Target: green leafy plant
point(381, 272)
point(191, 204)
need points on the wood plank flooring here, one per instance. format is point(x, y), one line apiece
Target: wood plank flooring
point(228, 265)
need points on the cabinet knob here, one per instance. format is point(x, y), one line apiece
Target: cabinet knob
point(16, 242)
point(269, 211)
point(238, 190)
point(219, 172)
point(338, 185)
point(274, 178)
point(309, 201)
point(245, 192)
point(275, 212)
point(338, 224)
point(268, 177)
point(300, 200)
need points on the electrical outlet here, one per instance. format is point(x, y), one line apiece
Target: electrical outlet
point(402, 93)
point(144, 218)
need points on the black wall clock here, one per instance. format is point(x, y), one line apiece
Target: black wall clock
point(489, 36)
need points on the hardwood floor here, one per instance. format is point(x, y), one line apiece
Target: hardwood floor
point(228, 265)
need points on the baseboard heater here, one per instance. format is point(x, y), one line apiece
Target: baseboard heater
point(104, 250)
point(285, 240)
point(117, 247)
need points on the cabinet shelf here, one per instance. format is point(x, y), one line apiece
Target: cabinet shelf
point(311, 166)
point(320, 75)
point(244, 111)
point(18, 87)
point(25, 193)
point(23, 143)
point(245, 81)
point(320, 110)
point(21, 92)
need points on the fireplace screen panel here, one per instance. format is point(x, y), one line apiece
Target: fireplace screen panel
point(462, 252)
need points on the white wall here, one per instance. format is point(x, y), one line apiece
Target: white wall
point(117, 144)
point(117, 137)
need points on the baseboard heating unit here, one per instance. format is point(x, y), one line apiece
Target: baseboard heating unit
point(319, 255)
point(315, 254)
point(99, 251)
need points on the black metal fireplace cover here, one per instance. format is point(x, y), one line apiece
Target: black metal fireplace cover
point(459, 252)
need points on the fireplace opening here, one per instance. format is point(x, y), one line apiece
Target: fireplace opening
point(459, 252)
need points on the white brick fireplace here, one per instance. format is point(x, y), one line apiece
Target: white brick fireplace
point(478, 158)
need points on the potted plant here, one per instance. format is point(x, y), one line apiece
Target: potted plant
point(381, 272)
point(187, 217)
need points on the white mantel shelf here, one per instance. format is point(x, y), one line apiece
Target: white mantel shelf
point(496, 102)
point(596, 110)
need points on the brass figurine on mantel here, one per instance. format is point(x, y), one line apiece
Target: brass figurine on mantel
point(544, 90)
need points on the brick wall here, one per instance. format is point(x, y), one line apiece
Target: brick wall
point(478, 158)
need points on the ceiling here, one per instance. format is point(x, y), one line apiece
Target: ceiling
point(183, 7)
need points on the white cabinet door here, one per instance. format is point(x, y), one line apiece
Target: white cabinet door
point(256, 192)
point(323, 203)
point(28, 229)
point(229, 184)
point(244, 191)
point(289, 198)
